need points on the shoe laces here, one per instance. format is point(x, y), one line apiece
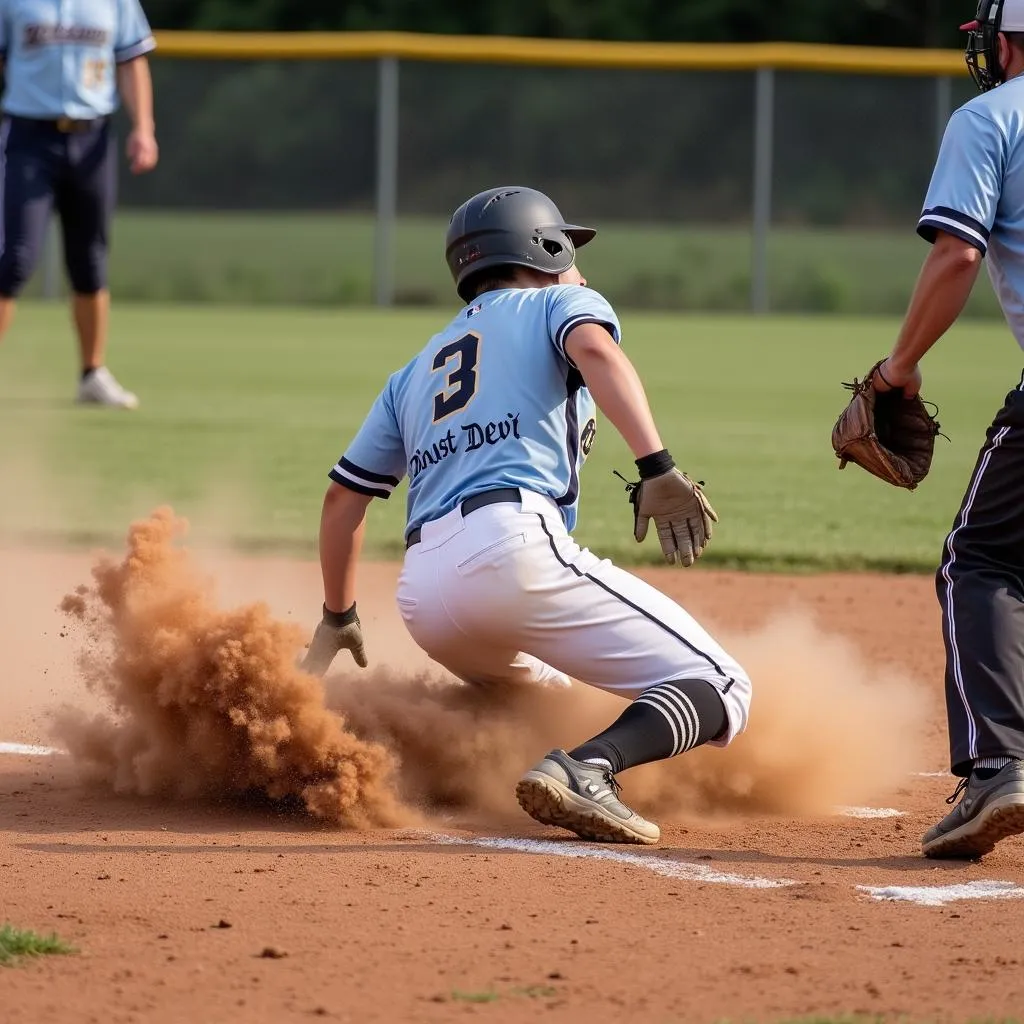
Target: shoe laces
point(960, 787)
point(613, 783)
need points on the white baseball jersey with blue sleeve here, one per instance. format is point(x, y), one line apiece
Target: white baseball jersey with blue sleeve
point(977, 190)
point(60, 56)
point(492, 401)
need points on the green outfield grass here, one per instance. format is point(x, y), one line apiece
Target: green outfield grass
point(244, 411)
point(17, 944)
point(326, 259)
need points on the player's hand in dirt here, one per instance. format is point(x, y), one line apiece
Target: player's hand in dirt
point(682, 515)
point(338, 631)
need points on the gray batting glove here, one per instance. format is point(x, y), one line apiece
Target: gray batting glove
point(682, 514)
point(338, 631)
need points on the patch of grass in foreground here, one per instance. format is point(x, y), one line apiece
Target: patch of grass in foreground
point(492, 996)
point(475, 997)
point(17, 943)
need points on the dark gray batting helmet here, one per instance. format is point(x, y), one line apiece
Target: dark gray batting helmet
point(510, 225)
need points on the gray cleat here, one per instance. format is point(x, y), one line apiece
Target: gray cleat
point(582, 798)
point(991, 810)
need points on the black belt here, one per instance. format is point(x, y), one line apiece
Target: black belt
point(496, 497)
point(64, 125)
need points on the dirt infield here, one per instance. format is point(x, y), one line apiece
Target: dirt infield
point(187, 905)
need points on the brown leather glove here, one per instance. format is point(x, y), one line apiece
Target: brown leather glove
point(338, 631)
point(682, 515)
point(886, 433)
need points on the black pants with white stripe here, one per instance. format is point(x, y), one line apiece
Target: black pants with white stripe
point(980, 586)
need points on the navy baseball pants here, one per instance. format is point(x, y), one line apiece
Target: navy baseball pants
point(980, 586)
point(73, 172)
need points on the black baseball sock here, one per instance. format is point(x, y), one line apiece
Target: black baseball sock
point(666, 720)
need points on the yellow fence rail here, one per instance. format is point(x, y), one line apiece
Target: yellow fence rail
point(763, 61)
point(558, 52)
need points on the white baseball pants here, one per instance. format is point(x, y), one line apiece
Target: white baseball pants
point(504, 594)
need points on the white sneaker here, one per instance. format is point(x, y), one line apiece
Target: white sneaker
point(101, 388)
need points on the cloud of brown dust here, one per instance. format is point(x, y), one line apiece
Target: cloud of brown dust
point(206, 702)
point(209, 702)
point(826, 729)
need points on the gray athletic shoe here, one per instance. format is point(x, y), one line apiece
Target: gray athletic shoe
point(582, 798)
point(991, 809)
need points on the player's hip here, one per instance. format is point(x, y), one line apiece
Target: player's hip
point(494, 550)
point(508, 576)
point(480, 516)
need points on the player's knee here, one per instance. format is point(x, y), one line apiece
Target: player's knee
point(17, 264)
point(87, 271)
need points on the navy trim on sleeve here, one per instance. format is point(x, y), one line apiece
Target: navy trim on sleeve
point(374, 478)
point(136, 50)
point(943, 218)
point(579, 320)
point(371, 492)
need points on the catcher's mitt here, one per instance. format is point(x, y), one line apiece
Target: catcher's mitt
point(886, 433)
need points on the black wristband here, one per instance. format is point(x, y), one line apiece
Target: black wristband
point(340, 619)
point(655, 465)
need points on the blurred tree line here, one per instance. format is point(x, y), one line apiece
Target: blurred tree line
point(854, 22)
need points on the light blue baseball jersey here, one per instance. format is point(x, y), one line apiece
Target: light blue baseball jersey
point(492, 401)
point(977, 190)
point(60, 55)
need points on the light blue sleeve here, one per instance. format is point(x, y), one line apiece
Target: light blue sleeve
point(134, 36)
point(375, 460)
point(967, 181)
point(573, 305)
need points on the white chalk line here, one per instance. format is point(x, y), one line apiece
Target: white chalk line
point(940, 895)
point(28, 750)
point(686, 871)
point(683, 871)
point(869, 812)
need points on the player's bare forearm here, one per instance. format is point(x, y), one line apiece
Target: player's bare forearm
point(342, 525)
point(135, 84)
point(616, 387)
point(136, 88)
point(942, 291)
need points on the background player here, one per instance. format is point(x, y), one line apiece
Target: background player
point(975, 205)
point(492, 422)
point(65, 61)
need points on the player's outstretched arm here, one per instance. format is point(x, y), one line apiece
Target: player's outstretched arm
point(342, 525)
point(681, 513)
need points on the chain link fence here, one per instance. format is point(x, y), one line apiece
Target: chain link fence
point(331, 181)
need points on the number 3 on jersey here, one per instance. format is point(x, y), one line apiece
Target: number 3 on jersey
point(460, 359)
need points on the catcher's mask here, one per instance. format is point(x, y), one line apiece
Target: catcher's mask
point(506, 226)
point(982, 53)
